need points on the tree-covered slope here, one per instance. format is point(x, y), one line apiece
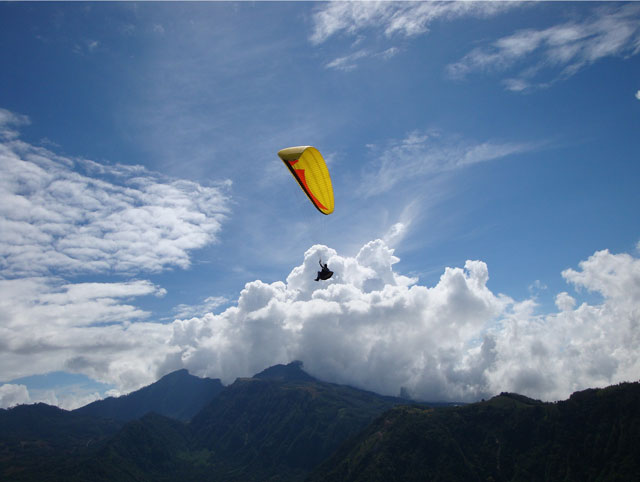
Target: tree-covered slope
point(595, 435)
point(37, 440)
point(279, 423)
point(284, 425)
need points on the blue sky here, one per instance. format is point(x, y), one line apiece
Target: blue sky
point(484, 163)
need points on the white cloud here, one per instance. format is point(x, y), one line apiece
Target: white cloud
point(61, 218)
point(9, 122)
point(369, 326)
point(350, 62)
point(638, 95)
point(394, 18)
point(403, 19)
point(563, 49)
point(49, 325)
point(423, 154)
point(347, 62)
point(69, 216)
point(68, 397)
point(11, 395)
point(210, 304)
point(373, 328)
point(565, 302)
point(616, 277)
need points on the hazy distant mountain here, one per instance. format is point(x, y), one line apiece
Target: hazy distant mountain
point(177, 395)
point(595, 435)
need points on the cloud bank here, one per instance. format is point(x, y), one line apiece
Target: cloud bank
point(376, 329)
point(556, 52)
point(369, 326)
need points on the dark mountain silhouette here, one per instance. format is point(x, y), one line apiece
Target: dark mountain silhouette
point(284, 425)
point(35, 438)
point(595, 435)
point(154, 448)
point(37, 441)
point(277, 425)
point(281, 422)
point(177, 395)
point(292, 372)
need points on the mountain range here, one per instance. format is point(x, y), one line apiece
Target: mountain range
point(284, 425)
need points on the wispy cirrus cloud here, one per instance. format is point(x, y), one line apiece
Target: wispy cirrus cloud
point(401, 18)
point(544, 56)
point(10, 123)
point(430, 152)
point(394, 19)
point(76, 216)
point(349, 62)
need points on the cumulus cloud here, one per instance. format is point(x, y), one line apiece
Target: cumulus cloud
point(376, 329)
point(210, 304)
point(76, 216)
point(559, 51)
point(68, 397)
point(638, 95)
point(11, 395)
point(369, 326)
point(394, 18)
point(427, 153)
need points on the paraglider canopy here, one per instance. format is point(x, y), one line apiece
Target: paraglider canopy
point(308, 168)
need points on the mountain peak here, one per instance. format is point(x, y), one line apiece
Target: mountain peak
point(291, 372)
point(178, 395)
point(183, 373)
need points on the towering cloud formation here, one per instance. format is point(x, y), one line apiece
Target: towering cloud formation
point(373, 328)
point(369, 326)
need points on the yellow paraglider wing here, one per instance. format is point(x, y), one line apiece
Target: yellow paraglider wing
point(308, 168)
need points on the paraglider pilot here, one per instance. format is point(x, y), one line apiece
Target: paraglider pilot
point(325, 273)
